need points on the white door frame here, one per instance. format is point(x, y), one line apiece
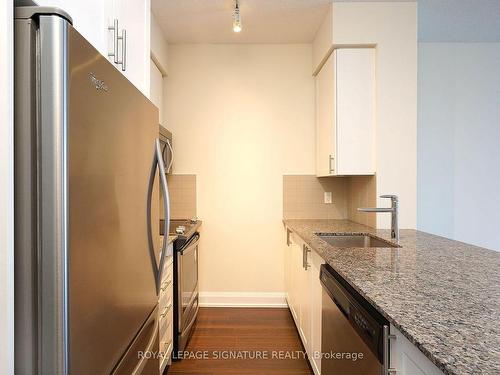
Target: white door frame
point(6, 189)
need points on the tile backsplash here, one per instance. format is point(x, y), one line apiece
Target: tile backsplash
point(303, 197)
point(182, 189)
point(361, 192)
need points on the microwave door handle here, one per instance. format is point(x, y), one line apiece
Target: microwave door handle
point(171, 161)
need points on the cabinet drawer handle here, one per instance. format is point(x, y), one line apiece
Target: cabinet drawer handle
point(165, 312)
point(167, 344)
point(165, 285)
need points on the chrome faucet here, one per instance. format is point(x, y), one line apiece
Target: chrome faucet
point(394, 214)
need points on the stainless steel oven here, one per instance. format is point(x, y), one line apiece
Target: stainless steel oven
point(187, 291)
point(355, 337)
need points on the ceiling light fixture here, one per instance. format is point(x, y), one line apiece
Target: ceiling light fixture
point(236, 17)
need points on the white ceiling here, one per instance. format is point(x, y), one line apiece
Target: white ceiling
point(296, 21)
point(264, 21)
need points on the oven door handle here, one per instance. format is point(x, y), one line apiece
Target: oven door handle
point(191, 245)
point(193, 319)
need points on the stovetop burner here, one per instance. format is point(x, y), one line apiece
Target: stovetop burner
point(182, 227)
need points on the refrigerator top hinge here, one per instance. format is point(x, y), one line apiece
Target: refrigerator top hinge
point(26, 12)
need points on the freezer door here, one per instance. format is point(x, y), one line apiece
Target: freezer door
point(112, 129)
point(142, 357)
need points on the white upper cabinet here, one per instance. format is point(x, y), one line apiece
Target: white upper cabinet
point(133, 28)
point(90, 18)
point(345, 113)
point(325, 118)
point(93, 17)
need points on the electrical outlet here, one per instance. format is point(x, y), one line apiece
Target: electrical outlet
point(328, 197)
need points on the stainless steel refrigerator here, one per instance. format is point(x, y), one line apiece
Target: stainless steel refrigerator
point(87, 246)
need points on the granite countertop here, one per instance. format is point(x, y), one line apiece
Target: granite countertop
point(443, 295)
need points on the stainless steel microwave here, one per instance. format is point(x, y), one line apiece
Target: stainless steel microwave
point(167, 152)
point(166, 148)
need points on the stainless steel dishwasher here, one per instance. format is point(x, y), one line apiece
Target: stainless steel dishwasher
point(355, 337)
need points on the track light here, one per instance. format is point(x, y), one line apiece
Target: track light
point(236, 17)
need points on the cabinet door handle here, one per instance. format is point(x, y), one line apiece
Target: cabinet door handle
point(330, 162)
point(124, 50)
point(114, 54)
point(116, 39)
point(123, 60)
point(306, 251)
point(387, 369)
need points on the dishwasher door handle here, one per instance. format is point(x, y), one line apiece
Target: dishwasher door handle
point(388, 370)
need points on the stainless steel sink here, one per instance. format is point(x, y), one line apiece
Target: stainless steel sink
point(354, 240)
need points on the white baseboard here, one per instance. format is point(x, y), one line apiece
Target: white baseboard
point(241, 299)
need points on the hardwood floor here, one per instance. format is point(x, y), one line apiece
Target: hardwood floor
point(244, 334)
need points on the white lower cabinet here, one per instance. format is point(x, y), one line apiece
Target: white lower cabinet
point(165, 311)
point(407, 359)
point(304, 297)
point(316, 307)
point(303, 294)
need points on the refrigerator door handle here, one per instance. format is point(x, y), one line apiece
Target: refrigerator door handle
point(166, 209)
point(158, 162)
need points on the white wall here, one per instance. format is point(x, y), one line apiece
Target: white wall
point(159, 46)
point(6, 191)
point(458, 141)
point(242, 116)
point(392, 26)
point(156, 89)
